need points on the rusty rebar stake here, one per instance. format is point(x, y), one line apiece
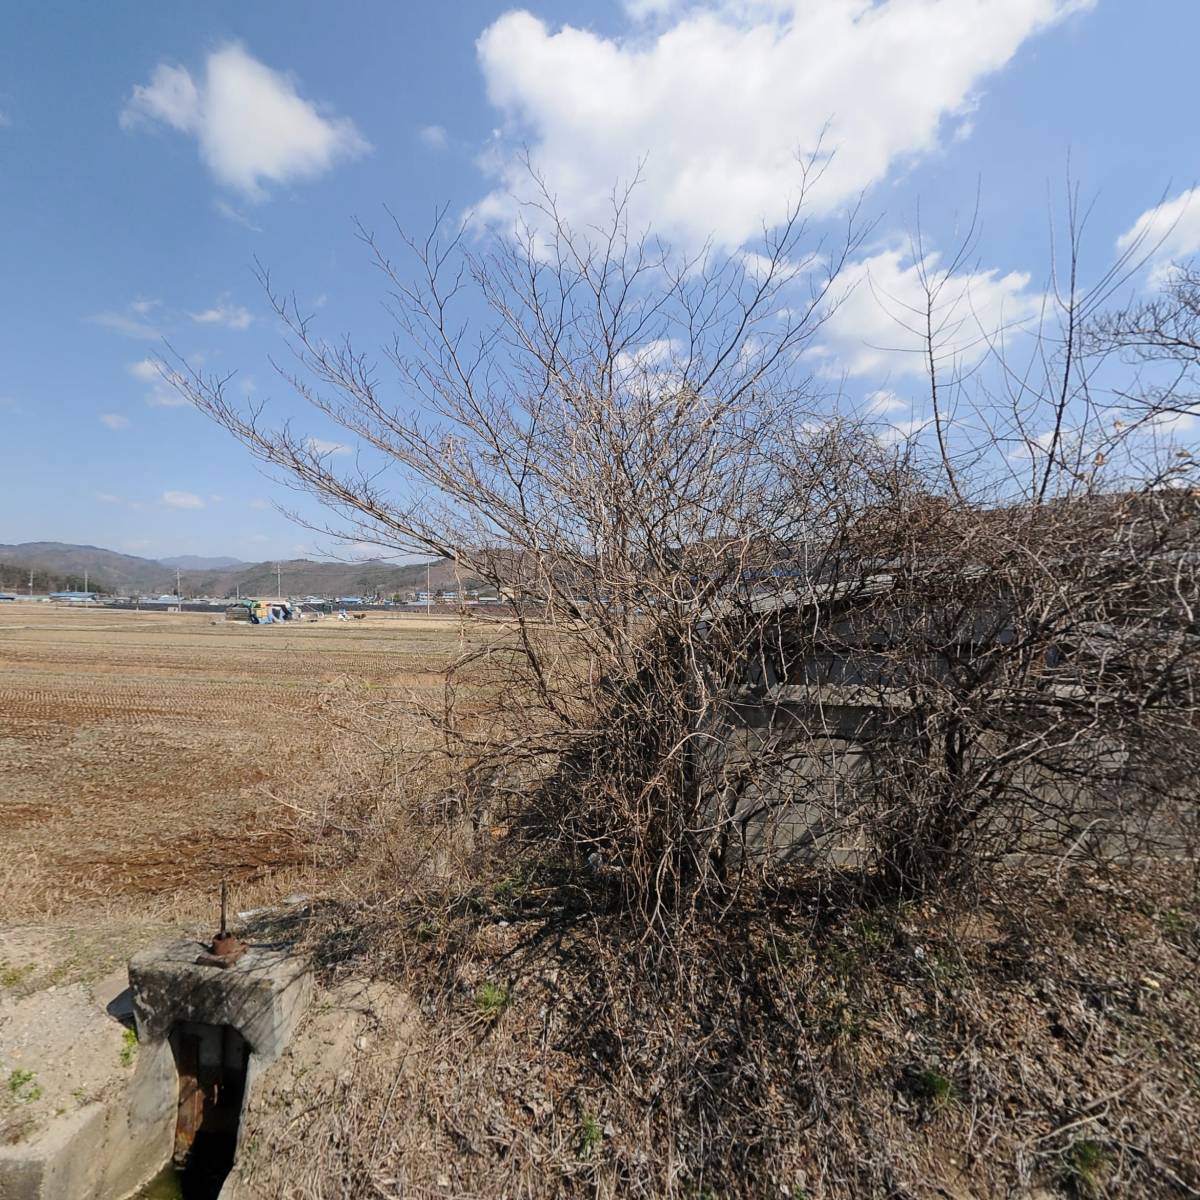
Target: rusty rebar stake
point(225, 949)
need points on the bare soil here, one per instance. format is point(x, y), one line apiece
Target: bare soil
point(140, 752)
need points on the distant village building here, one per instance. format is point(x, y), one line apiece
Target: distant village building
point(73, 597)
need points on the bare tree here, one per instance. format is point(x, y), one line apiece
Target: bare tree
point(620, 441)
point(1020, 620)
point(741, 628)
point(1162, 334)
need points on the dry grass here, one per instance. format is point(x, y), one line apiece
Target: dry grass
point(801, 1044)
point(139, 751)
point(803, 1049)
point(1034, 1040)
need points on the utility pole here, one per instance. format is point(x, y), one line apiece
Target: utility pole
point(278, 581)
point(85, 577)
point(428, 593)
point(31, 583)
point(178, 594)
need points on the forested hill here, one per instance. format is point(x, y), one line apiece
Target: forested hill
point(62, 566)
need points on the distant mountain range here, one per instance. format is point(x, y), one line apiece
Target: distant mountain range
point(61, 565)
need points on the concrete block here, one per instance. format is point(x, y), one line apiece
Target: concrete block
point(103, 1150)
point(63, 1162)
point(262, 995)
point(141, 1127)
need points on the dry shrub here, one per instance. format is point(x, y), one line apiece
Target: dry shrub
point(387, 812)
point(808, 1039)
point(1024, 683)
point(773, 704)
point(632, 448)
point(802, 1047)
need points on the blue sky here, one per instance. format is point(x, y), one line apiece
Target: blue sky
point(149, 153)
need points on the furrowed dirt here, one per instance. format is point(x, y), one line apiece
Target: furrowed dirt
point(139, 752)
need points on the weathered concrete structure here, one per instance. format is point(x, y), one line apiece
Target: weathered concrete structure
point(98, 1130)
point(100, 1152)
point(212, 1029)
point(261, 995)
point(205, 1033)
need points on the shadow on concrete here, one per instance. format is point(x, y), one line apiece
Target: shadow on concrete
point(120, 1008)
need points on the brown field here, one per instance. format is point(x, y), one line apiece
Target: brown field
point(139, 752)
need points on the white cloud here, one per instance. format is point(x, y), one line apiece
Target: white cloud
point(722, 99)
point(892, 433)
point(129, 324)
point(876, 328)
point(114, 421)
point(145, 369)
point(649, 357)
point(883, 402)
point(165, 396)
point(645, 10)
point(235, 215)
point(230, 316)
point(161, 394)
point(893, 419)
point(1169, 232)
point(653, 367)
point(5, 120)
point(320, 446)
point(108, 498)
point(252, 126)
point(182, 500)
point(434, 136)
point(1174, 424)
point(171, 96)
point(1035, 446)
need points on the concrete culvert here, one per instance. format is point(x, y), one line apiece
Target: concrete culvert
point(212, 1061)
point(108, 1090)
point(212, 1030)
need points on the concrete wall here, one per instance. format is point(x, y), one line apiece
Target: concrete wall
point(103, 1151)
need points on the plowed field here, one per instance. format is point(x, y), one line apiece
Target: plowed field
point(138, 751)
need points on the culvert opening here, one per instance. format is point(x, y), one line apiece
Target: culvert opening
point(212, 1061)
